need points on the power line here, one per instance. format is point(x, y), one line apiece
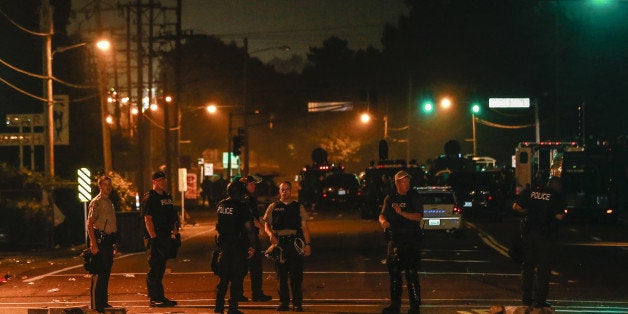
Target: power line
point(24, 29)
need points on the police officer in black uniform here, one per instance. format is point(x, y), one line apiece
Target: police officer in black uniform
point(255, 262)
point(542, 211)
point(285, 222)
point(235, 235)
point(401, 215)
point(162, 225)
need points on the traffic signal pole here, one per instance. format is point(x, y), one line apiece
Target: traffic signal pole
point(229, 147)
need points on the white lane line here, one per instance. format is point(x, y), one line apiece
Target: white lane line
point(347, 273)
point(489, 240)
point(52, 273)
point(601, 244)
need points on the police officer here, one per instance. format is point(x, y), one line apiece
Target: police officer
point(401, 215)
point(235, 235)
point(162, 224)
point(255, 262)
point(101, 228)
point(542, 211)
point(285, 222)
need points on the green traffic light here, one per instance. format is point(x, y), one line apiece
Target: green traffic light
point(475, 108)
point(427, 107)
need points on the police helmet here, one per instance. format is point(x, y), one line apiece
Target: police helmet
point(275, 252)
point(92, 263)
point(236, 190)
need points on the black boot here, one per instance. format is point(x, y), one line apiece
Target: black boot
point(395, 296)
point(414, 292)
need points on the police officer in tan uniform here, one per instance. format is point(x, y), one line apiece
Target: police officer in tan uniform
point(101, 228)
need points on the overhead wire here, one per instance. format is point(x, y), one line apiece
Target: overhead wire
point(22, 28)
point(12, 67)
point(22, 91)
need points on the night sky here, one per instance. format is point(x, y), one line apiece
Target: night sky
point(299, 24)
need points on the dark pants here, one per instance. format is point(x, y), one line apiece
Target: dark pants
point(158, 255)
point(291, 270)
point(256, 271)
point(233, 268)
point(404, 256)
point(100, 282)
point(539, 252)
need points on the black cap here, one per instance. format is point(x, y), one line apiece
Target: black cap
point(250, 179)
point(158, 175)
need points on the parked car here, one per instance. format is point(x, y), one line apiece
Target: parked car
point(485, 194)
point(441, 211)
point(339, 189)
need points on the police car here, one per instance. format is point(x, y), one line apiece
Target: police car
point(441, 210)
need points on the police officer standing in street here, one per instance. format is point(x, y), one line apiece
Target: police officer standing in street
point(101, 228)
point(542, 211)
point(255, 262)
point(162, 225)
point(285, 222)
point(401, 215)
point(235, 238)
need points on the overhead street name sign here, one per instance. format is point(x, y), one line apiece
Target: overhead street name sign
point(17, 139)
point(25, 119)
point(509, 102)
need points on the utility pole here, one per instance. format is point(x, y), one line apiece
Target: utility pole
point(177, 82)
point(46, 26)
point(102, 92)
point(245, 106)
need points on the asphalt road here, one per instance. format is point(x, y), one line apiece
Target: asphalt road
point(345, 273)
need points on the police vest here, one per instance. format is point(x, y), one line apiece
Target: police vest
point(231, 218)
point(286, 216)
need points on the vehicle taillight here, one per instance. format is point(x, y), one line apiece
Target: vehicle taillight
point(490, 198)
point(324, 195)
point(609, 211)
point(457, 210)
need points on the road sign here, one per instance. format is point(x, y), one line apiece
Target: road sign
point(235, 160)
point(25, 119)
point(183, 179)
point(509, 102)
point(84, 185)
point(25, 139)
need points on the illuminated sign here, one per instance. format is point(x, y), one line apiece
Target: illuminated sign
point(509, 102)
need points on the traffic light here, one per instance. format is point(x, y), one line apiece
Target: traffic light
point(427, 106)
point(238, 141)
point(475, 108)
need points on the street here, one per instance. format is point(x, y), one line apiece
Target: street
point(345, 273)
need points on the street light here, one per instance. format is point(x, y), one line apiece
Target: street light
point(102, 45)
point(366, 118)
point(247, 54)
point(213, 109)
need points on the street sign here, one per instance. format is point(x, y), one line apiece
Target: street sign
point(192, 191)
point(61, 120)
point(208, 169)
point(25, 139)
point(509, 102)
point(235, 160)
point(84, 185)
point(183, 179)
point(25, 119)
